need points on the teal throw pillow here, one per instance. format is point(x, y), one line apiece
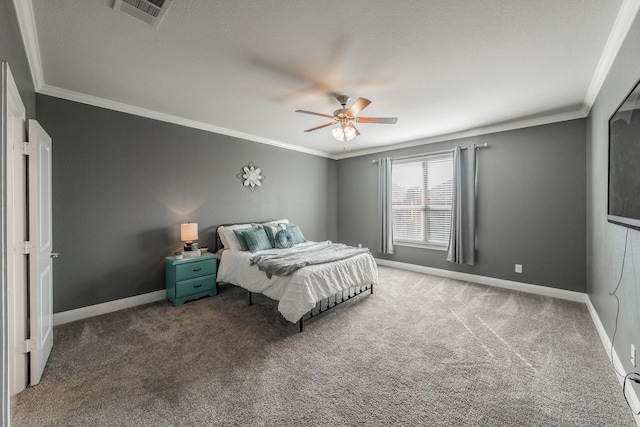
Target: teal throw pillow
point(298, 237)
point(272, 230)
point(284, 239)
point(240, 235)
point(257, 240)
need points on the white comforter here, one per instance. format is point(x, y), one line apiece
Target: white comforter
point(299, 292)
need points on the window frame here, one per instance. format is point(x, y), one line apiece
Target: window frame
point(425, 208)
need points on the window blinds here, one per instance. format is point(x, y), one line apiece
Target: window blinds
point(421, 198)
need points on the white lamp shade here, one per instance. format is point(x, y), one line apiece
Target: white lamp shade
point(344, 132)
point(338, 134)
point(189, 231)
point(350, 132)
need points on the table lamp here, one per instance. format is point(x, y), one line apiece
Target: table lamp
point(189, 233)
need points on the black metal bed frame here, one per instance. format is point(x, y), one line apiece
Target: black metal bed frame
point(357, 290)
point(317, 310)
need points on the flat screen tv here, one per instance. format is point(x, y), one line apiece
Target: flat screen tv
point(624, 162)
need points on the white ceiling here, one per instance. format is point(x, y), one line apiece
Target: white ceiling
point(445, 68)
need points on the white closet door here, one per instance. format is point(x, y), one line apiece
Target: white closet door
point(41, 256)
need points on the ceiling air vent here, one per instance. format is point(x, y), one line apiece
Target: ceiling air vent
point(149, 11)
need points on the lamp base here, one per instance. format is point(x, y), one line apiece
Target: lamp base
point(189, 247)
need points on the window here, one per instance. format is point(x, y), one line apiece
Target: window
point(422, 197)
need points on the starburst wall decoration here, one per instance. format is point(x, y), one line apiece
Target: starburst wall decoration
point(251, 176)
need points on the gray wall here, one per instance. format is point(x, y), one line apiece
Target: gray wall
point(122, 184)
point(531, 206)
point(606, 242)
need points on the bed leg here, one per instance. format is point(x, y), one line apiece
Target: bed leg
point(301, 324)
point(372, 289)
point(250, 302)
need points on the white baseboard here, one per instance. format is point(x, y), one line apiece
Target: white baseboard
point(107, 307)
point(111, 306)
point(490, 281)
point(613, 356)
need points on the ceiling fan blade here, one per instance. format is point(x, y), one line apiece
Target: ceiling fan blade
point(315, 114)
point(357, 106)
point(356, 129)
point(383, 120)
point(320, 127)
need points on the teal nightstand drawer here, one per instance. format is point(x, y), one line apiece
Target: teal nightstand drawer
point(195, 286)
point(195, 269)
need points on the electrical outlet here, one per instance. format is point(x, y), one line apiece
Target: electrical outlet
point(518, 268)
point(633, 355)
point(360, 245)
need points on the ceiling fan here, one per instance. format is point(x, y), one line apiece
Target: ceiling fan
point(346, 117)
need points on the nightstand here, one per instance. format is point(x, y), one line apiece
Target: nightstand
point(190, 278)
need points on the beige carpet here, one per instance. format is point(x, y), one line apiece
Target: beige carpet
point(421, 350)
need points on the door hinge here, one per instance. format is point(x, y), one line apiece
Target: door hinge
point(23, 248)
point(24, 148)
point(25, 346)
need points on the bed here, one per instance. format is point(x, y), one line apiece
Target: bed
point(311, 287)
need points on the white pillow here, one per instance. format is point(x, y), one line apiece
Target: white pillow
point(272, 228)
point(286, 221)
point(229, 238)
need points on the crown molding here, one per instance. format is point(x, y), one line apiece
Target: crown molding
point(626, 15)
point(515, 124)
point(27, 24)
point(151, 114)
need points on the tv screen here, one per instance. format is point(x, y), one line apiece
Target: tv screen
point(624, 162)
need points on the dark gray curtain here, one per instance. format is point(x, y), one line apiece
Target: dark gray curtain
point(385, 212)
point(462, 240)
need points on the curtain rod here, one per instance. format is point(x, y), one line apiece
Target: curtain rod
point(477, 147)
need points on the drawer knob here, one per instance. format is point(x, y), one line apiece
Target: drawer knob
point(197, 269)
point(197, 286)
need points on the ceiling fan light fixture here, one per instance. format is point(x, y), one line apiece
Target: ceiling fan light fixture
point(344, 133)
point(345, 118)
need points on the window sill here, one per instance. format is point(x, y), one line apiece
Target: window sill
point(421, 246)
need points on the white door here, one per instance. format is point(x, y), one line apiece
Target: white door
point(15, 135)
point(41, 251)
